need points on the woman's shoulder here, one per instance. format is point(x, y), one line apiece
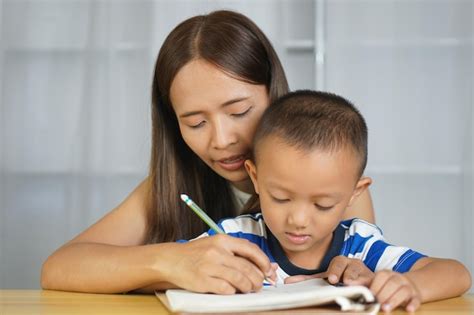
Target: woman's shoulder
point(125, 225)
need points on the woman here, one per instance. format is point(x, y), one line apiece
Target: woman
point(214, 76)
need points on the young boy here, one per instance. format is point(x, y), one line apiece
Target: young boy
point(309, 155)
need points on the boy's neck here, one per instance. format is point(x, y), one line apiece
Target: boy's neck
point(312, 258)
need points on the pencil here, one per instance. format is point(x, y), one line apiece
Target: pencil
point(191, 204)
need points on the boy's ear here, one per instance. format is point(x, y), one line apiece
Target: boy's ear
point(252, 171)
point(363, 183)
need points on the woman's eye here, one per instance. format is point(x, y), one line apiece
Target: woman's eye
point(322, 208)
point(198, 125)
point(245, 112)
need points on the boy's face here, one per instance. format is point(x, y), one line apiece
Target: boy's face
point(303, 195)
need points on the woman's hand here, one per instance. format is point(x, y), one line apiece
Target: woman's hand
point(393, 289)
point(219, 264)
point(349, 271)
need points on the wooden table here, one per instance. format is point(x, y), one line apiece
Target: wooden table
point(55, 302)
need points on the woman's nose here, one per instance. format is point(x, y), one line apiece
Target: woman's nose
point(223, 134)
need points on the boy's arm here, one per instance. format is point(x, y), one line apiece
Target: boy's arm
point(438, 278)
point(429, 279)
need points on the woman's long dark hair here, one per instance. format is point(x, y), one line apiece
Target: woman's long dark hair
point(233, 43)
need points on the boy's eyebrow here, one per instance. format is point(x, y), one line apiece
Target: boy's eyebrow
point(277, 186)
point(226, 103)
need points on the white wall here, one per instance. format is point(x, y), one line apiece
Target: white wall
point(75, 82)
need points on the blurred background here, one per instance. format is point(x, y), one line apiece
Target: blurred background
point(75, 79)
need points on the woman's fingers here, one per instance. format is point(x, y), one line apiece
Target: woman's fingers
point(228, 261)
point(243, 269)
point(237, 278)
point(217, 286)
point(248, 250)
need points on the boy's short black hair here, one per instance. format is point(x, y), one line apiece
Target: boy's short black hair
point(311, 120)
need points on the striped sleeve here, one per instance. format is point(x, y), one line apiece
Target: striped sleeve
point(250, 227)
point(365, 241)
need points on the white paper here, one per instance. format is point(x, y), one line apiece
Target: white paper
point(305, 293)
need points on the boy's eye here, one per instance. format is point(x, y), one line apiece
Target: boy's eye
point(280, 200)
point(245, 112)
point(322, 208)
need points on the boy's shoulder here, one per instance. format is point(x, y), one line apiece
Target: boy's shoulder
point(360, 227)
point(246, 223)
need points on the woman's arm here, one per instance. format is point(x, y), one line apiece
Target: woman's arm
point(107, 249)
point(362, 208)
point(109, 257)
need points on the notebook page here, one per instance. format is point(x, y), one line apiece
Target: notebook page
point(305, 293)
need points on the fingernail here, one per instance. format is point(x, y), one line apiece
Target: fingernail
point(270, 281)
point(410, 309)
point(386, 307)
point(332, 278)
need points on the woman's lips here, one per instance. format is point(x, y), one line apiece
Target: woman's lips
point(297, 239)
point(233, 163)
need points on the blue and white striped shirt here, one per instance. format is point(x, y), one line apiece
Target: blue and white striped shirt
point(353, 238)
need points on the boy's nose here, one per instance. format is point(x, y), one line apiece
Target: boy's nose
point(299, 217)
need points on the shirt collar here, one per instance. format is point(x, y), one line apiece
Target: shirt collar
point(292, 270)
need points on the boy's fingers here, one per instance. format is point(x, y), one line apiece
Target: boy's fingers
point(352, 273)
point(390, 287)
point(386, 292)
point(358, 274)
point(413, 305)
point(336, 269)
point(321, 275)
point(364, 280)
point(379, 281)
point(299, 278)
point(399, 297)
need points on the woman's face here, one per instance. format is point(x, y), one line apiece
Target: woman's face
point(217, 116)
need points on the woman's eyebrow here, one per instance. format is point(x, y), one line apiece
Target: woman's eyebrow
point(234, 100)
point(226, 103)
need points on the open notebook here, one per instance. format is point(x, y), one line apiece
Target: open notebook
point(307, 293)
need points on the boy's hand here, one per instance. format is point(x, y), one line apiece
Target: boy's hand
point(393, 289)
point(349, 271)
